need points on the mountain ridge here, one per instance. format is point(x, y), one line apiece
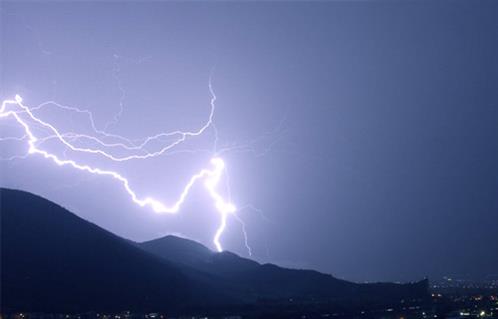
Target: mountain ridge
point(71, 264)
point(55, 261)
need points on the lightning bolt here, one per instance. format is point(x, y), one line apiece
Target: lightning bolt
point(25, 117)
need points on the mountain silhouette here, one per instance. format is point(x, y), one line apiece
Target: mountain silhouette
point(192, 254)
point(52, 261)
point(270, 281)
point(55, 262)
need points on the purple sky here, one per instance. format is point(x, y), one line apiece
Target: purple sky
point(366, 132)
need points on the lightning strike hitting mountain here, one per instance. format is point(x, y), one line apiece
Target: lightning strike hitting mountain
point(25, 117)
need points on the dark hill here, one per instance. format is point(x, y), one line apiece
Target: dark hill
point(271, 282)
point(197, 256)
point(54, 261)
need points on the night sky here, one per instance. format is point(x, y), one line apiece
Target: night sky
point(365, 133)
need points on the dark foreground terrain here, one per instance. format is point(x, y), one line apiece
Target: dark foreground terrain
point(53, 262)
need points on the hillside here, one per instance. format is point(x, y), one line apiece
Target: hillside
point(53, 261)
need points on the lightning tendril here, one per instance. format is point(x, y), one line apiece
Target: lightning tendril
point(26, 118)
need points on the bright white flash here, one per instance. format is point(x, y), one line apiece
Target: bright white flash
point(211, 176)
